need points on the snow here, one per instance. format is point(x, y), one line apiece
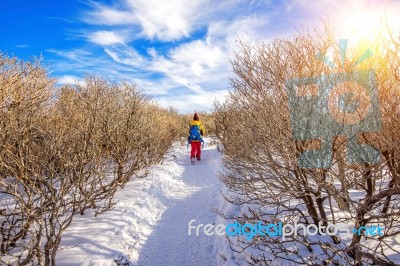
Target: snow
point(149, 224)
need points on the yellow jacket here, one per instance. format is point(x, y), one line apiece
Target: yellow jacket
point(197, 123)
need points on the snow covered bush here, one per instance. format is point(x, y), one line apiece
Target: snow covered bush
point(67, 149)
point(262, 166)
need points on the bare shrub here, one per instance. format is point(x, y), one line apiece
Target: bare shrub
point(262, 154)
point(64, 152)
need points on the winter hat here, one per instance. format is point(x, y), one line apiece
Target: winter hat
point(195, 117)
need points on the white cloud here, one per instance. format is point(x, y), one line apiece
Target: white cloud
point(152, 52)
point(164, 21)
point(200, 66)
point(249, 28)
point(157, 19)
point(178, 51)
point(104, 37)
point(74, 55)
point(193, 102)
point(68, 79)
point(196, 65)
point(158, 88)
point(126, 55)
point(105, 15)
point(193, 60)
point(177, 67)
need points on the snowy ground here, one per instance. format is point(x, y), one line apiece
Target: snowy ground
point(149, 224)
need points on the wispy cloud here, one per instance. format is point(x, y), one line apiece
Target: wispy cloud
point(193, 102)
point(126, 55)
point(74, 55)
point(155, 19)
point(193, 66)
point(68, 79)
point(103, 37)
point(106, 15)
point(177, 51)
point(166, 22)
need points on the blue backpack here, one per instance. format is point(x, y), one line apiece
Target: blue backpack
point(194, 133)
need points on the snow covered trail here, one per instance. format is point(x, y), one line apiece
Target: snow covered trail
point(149, 224)
point(169, 243)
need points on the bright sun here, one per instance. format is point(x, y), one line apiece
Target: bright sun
point(363, 24)
point(361, 21)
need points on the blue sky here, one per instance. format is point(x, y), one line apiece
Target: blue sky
point(177, 51)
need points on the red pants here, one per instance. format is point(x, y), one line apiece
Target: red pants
point(196, 149)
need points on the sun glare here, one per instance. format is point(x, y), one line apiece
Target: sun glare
point(363, 24)
point(361, 21)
